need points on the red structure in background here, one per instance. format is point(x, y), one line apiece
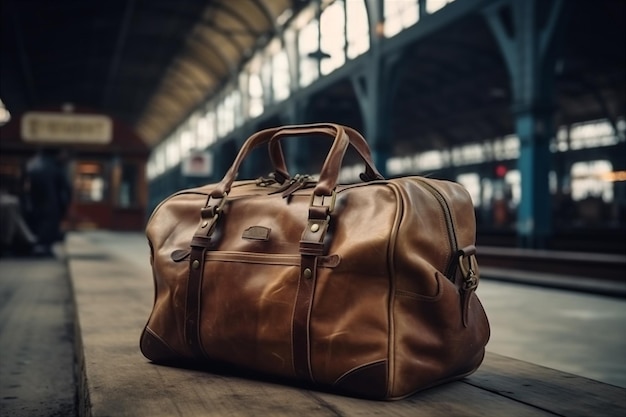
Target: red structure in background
point(106, 163)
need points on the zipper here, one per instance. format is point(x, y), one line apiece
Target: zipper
point(294, 184)
point(327, 261)
point(265, 181)
point(254, 258)
point(449, 225)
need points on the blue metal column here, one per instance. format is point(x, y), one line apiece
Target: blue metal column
point(529, 52)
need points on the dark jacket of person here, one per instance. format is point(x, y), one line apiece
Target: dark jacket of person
point(48, 196)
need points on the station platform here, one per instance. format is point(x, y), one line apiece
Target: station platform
point(552, 351)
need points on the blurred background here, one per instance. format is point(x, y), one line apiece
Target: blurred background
point(108, 107)
point(521, 101)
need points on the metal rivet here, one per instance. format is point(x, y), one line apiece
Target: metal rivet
point(307, 273)
point(195, 264)
point(315, 227)
point(205, 224)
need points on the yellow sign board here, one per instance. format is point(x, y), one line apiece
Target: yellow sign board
point(66, 128)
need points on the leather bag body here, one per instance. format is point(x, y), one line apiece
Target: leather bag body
point(367, 289)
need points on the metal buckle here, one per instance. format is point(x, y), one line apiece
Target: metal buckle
point(333, 198)
point(213, 211)
point(470, 279)
point(220, 205)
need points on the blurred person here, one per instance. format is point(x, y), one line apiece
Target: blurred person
point(48, 196)
point(15, 235)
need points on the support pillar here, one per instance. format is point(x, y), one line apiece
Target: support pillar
point(534, 215)
point(529, 51)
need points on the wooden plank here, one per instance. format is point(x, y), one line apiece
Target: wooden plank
point(453, 399)
point(36, 342)
point(548, 389)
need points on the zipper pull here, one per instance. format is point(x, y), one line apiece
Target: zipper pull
point(266, 182)
point(470, 279)
point(295, 183)
point(286, 184)
point(300, 182)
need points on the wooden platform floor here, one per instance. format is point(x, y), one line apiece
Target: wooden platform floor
point(114, 296)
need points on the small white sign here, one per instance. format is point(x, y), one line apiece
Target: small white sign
point(197, 164)
point(49, 127)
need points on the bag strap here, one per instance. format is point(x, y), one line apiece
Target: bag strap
point(332, 164)
point(356, 140)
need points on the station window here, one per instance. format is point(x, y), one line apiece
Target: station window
point(281, 78)
point(592, 134)
point(333, 37)
point(560, 141)
point(506, 148)
point(471, 182)
point(187, 141)
point(472, 153)
point(160, 163)
point(434, 5)
point(90, 182)
point(513, 179)
point(357, 29)
point(430, 160)
point(204, 131)
point(255, 95)
point(592, 180)
point(266, 78)
point(308, 42)
point(400, 15)
point(223, 117)
point(172, 152)
point(235, 108)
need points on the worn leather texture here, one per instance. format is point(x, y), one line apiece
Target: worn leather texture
point(367, 289)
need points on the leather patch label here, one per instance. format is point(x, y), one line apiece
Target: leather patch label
point(256, 233)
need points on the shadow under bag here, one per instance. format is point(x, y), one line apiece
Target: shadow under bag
point(365, 289)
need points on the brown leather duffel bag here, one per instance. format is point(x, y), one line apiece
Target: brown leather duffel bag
point(367, 289)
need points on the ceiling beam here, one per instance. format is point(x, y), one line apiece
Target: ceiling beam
point(117, 54)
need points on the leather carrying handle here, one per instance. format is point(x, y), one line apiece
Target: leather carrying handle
point(356, 140)
point(330, 169)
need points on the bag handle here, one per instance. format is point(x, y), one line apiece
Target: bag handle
point(356, 140)
point(330, 169)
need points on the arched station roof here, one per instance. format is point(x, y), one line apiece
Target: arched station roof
point(151, 63)
point(147, 63)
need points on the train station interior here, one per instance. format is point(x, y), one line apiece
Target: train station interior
point(523, 102)
point(481, 92)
